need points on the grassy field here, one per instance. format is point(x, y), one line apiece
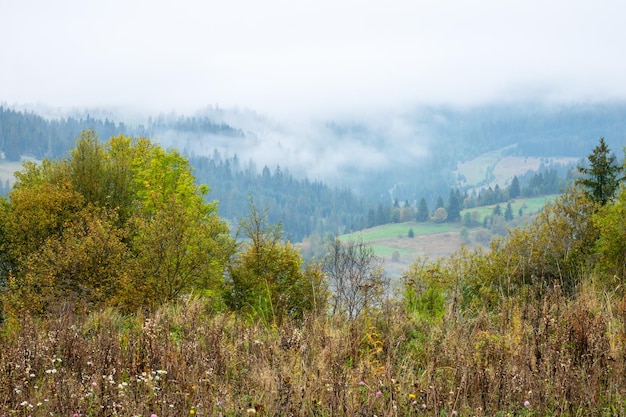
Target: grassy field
point(399, 230)
point(548, 356)
point(528, 206)
point(431, 239)
point(499, 167)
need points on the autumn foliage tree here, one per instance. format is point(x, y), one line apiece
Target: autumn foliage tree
point(610, 221)
point(266, 279)
point(116, 223)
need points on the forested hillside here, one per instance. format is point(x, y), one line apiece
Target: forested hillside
point(24, 133)
point(303, 207)
point(338, 176)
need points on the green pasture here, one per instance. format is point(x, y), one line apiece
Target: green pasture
point(528, 205)
point(375, 236)
point(396, 230)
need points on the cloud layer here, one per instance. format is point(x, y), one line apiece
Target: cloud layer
point(308, 57)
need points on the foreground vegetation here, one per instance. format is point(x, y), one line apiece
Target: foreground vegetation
point(123, 294)
point(552, 355)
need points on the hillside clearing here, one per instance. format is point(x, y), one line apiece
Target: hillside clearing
point(432, 240)
point(498, 167)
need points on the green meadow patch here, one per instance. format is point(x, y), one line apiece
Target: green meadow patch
point(399, 230)
point(529, 206)
point(389, 238)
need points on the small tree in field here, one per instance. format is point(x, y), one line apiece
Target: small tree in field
point(356, 278)
point(266, 278)
point(440, 215)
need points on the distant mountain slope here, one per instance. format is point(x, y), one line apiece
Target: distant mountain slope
point(323, 175)
point(24, 133)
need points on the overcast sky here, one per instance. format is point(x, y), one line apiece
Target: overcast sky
point(284, 57)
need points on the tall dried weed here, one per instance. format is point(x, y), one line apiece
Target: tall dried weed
point(552, 355)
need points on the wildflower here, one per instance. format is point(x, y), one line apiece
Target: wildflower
point(526, 403)
point(411, 396)
point(251, 411)
point(153, 415)
point(192, 412)
point(362, 383)
point(378, 394)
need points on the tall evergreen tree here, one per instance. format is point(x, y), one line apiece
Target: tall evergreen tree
point(497, 194)
point(601, 179)
point(439, 202)
point(508, 213)
point(514, 189)
point(371, 218)
point(422, 211)
point(381, 218)
point(454, 207)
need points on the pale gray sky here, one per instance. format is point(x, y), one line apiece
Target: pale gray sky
point(287, 56)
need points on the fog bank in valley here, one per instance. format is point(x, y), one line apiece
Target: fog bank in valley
point(341, 152)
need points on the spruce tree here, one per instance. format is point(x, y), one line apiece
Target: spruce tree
point(439, 202)
point(422, 211)
point(508, 213)
point(454, 207)
point(602, 178)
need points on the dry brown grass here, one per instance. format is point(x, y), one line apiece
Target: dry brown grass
point(563, 356)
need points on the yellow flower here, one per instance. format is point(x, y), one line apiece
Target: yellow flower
point(411, 396)
point(192, 412)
